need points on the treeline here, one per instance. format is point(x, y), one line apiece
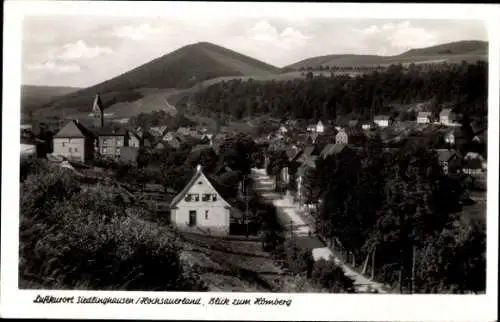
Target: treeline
point(462, 86)
point(401, 208)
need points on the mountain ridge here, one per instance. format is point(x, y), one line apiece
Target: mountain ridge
point(457, 50)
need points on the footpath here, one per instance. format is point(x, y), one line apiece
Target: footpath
point(290, 217)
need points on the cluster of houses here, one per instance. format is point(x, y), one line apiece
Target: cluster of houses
point(339, 140)
point(81, 142)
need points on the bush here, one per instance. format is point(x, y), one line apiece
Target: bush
point(298, 261)
point(330, 276)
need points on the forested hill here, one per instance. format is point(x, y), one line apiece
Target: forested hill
point(181, 68)
point(319, 97)
point(454, 52)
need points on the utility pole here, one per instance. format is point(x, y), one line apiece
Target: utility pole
point(373, 261)
point(403, 245)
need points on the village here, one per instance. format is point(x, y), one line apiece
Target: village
point(210, 205)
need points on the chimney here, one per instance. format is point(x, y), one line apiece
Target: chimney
point(198, 168)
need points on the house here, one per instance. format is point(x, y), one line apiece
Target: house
point(382, 120)
point(333, 149)
point(424, 117)
point(473, 164)
point(350, 136)
point(158, 131)
point(341, 137)
point(128, 154)
point(449, 160)
point(134, 140)
point(200, 208)
point(320, 128)
point(449, 137)
point(110, 140)
point(75, 142)
point(447, 117)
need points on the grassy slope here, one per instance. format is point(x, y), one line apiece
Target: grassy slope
point(453, 52)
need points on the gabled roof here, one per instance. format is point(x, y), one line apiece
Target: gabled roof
point(330, 149)
point(445, 155)
point(445, 112)
point(110, 130)
point(381, 117)
point(74, 129)
point(198, 174)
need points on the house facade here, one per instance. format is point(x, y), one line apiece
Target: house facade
point(341, 137)
point(382, 120)
point(449, 160)
point(110, 141)
point(320, 128)
point(134, 141)
point(74, 142)
point(199, 208)
point(424, 117)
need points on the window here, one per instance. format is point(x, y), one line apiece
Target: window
point(206, 214)
point(117, 151)
point(104, 150)
point(69, 149)
point(76, 149)
point(188, 197)
point(192, 218)
point(119, 142)
point(196, 197)
point(64, 144)
point(214, 197)
point(206, 197)
point(200, 182)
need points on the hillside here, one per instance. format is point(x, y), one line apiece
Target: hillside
point(469, 50)
point(181, 68)
point(34, 95)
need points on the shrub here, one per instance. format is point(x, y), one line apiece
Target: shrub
point(332, 277)
point(299, 261)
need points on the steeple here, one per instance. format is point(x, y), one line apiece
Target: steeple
point(98, 110)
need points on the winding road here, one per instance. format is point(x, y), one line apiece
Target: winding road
point(291, 218)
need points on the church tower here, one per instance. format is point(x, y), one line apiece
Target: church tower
point(98, 111)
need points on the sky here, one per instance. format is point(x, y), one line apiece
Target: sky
point(80, 51)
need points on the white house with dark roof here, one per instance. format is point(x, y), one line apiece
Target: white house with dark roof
point(382, 120)
point(447, 117)
point(200, 208)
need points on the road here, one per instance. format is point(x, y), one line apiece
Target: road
point(290, 217)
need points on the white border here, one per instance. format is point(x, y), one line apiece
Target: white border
point(15, 303)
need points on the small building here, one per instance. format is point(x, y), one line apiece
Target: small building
point(424, 117)
point(334, 149)
point(447, 117)
point(110, 140)
point(350, 136)
point(134, 140)
point(283, 130)
point(382, 120)
point(449, 137)
point(320, 128)
point(74, 142)
point(473, 164)
point(200, 208)
point(449, 160)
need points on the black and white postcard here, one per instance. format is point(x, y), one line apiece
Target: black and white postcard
point(250, 161)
